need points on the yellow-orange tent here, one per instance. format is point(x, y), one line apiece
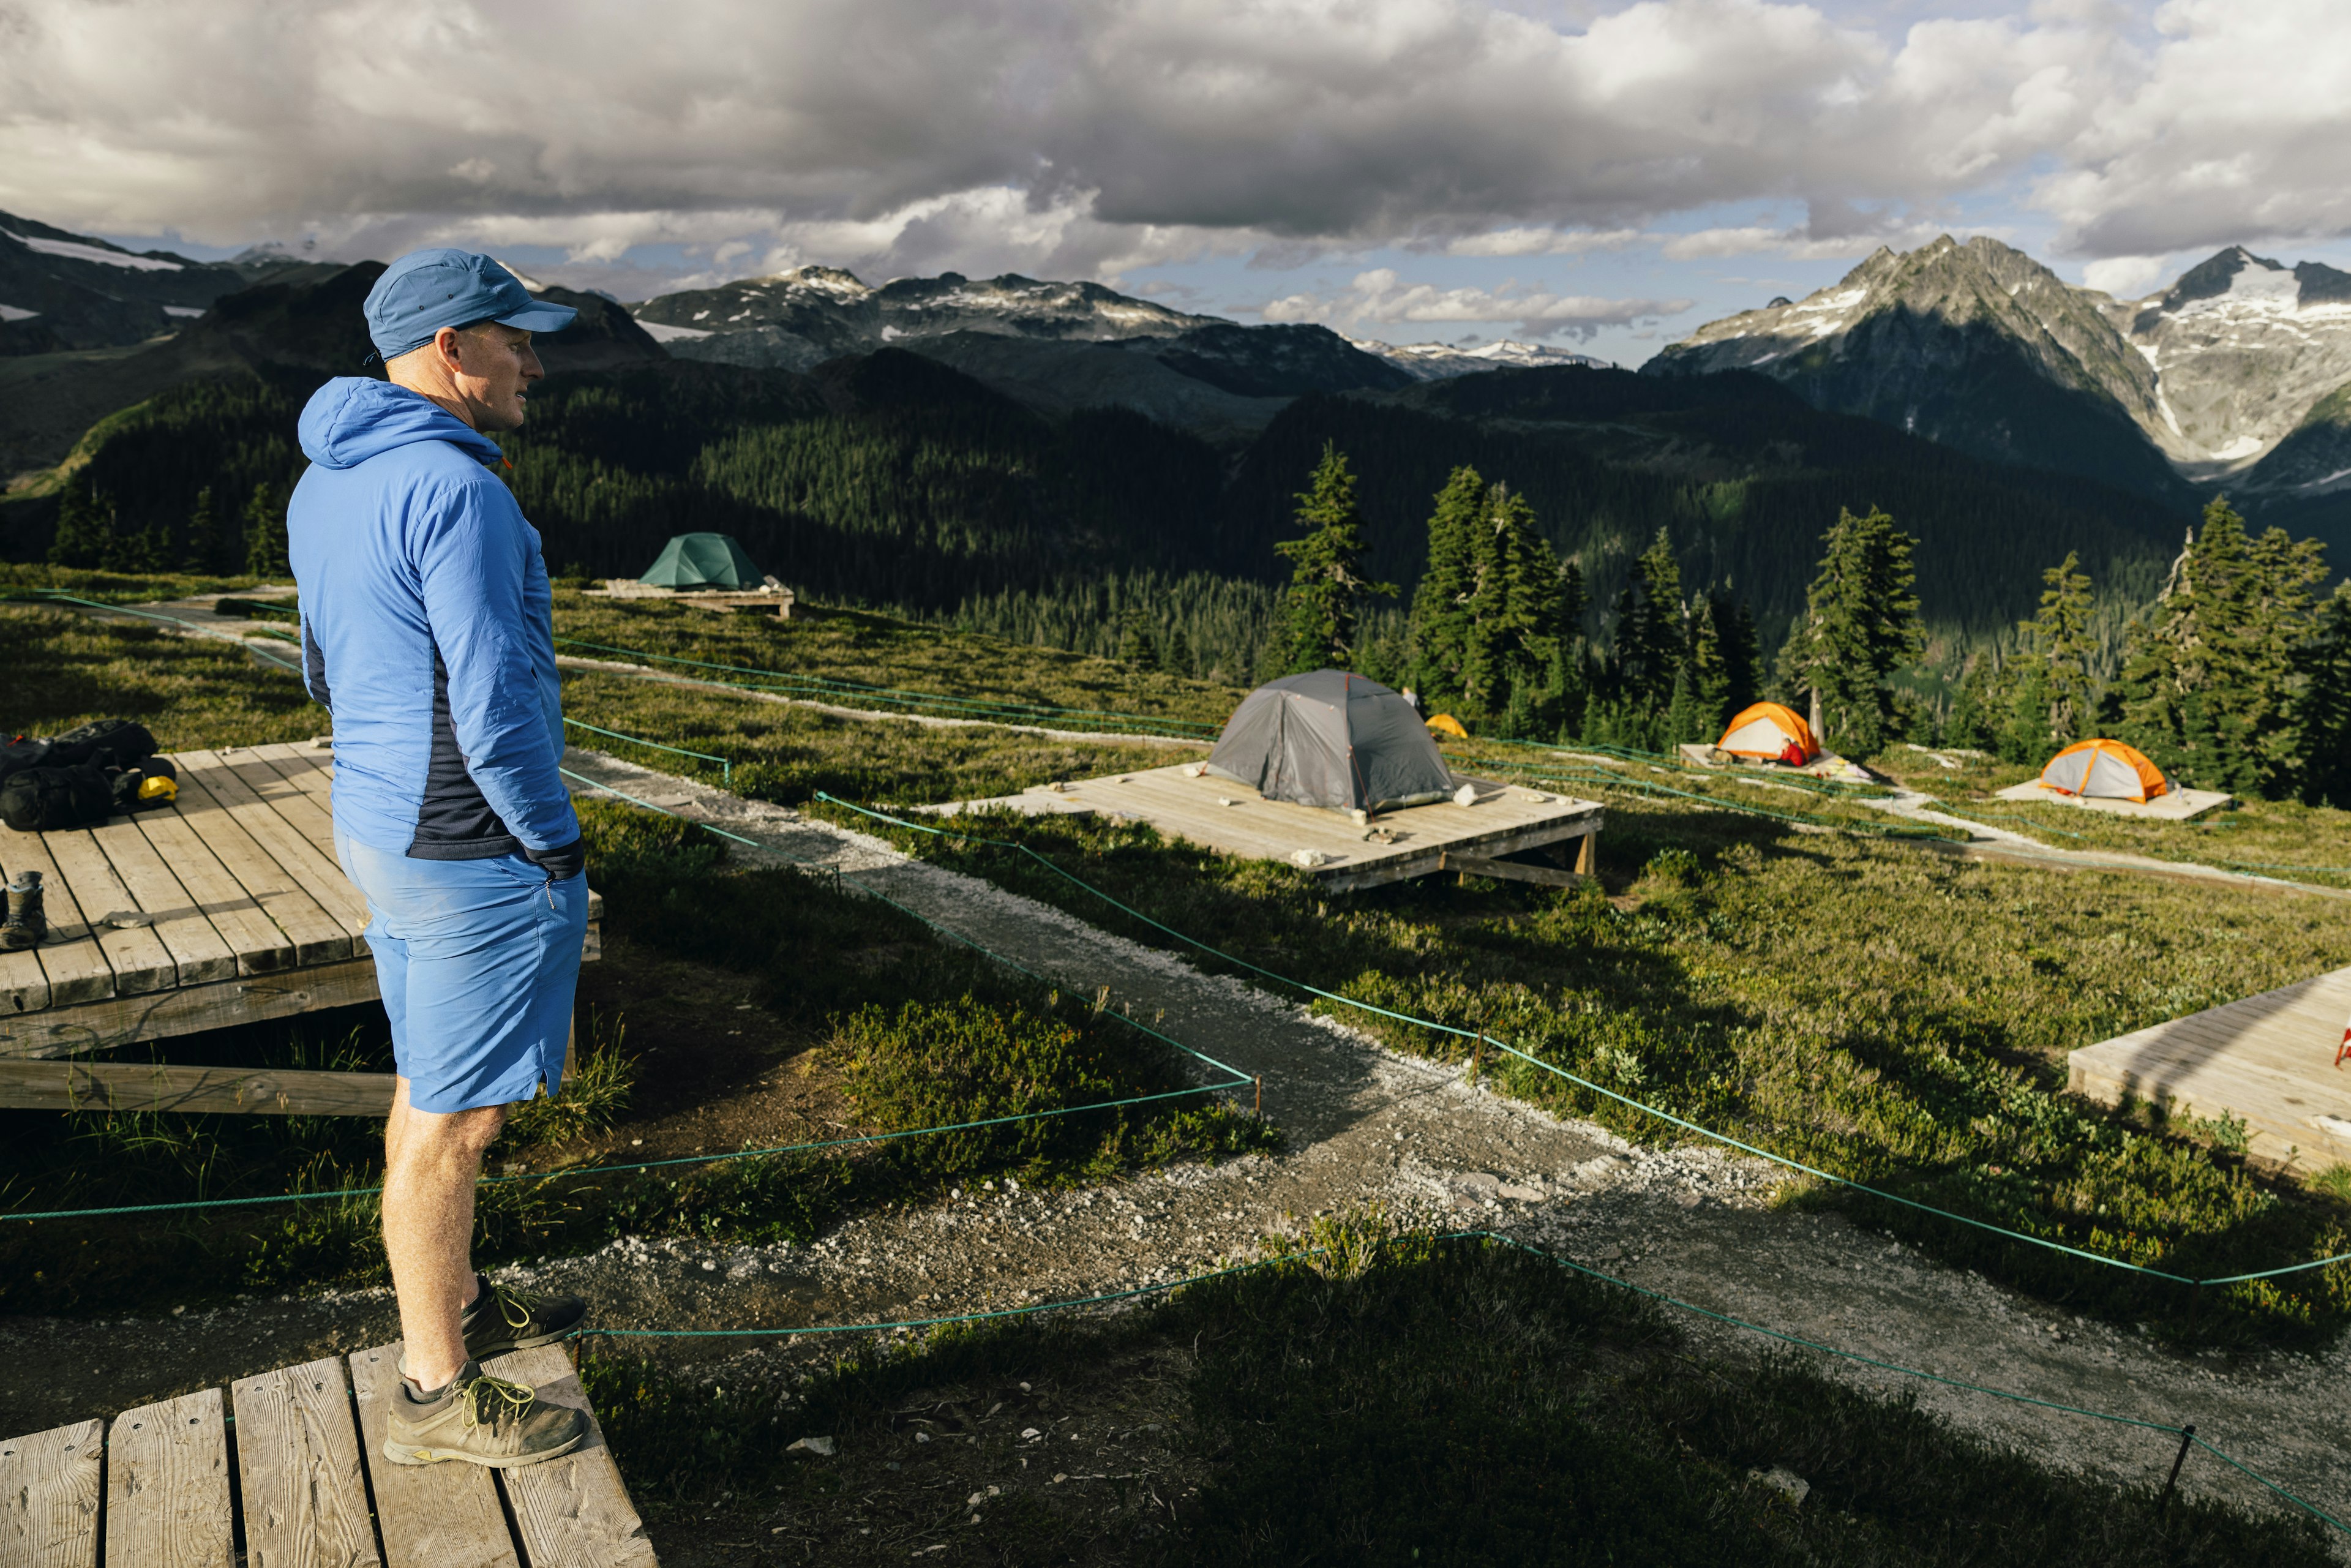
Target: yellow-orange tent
point(1446, 724)
point(1764, 730)
point(2105, 771)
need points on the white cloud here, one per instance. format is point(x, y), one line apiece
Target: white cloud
point(2233, 131)
point(1382, 296)
point(1542, 242)
point(1091, 136)
point(2123, 277)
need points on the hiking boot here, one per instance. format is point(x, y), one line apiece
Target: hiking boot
point(481, 1420)
point(26, 925)
point(503, 1318)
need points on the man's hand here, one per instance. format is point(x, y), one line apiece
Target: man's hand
point(561, 863)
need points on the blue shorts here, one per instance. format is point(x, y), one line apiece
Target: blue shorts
point(477, 962)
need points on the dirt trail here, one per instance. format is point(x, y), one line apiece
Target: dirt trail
point(1365, 1124)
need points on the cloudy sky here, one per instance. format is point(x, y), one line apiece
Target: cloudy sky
point(1591, 173)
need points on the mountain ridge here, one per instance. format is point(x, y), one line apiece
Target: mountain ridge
point(2209, 383)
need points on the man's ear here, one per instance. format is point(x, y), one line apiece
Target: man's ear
point(445, 344)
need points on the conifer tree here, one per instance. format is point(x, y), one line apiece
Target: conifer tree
point(1437, 629)
point(2324, 704)
point(1651, 636)
point(2054, 700)
point(196, 556)
point(1860, 625)
point(1974, 722)
point(85, 536)
point(1514, 607)
point(2208, 688)
point(265, 531)
point(1134, 644)
point(1327, 585)
point(1179, 651)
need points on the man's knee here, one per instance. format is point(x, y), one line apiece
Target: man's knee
point(453, 1133)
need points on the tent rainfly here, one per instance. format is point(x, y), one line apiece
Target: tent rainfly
point(1334, 741)
point(1767, 730)
point(2105, 771)
point(703, 560)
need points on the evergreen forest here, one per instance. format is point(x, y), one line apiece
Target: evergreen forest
point(1560, 553)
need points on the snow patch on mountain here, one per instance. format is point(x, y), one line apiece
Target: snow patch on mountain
point(74, 250)
point(663, 333)
point(1442, 361)
point(11, 313)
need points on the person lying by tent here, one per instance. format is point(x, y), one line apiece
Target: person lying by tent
point(1334, 740)
point(1766, 732)
point(2102, 769)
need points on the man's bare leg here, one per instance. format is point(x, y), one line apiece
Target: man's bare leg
point(431, 1161)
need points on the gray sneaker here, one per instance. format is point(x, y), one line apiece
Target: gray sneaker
point(481, 1420)
point(503, 1318)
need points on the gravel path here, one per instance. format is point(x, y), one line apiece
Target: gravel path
point(1365, 1124)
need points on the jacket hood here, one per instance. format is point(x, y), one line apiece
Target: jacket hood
point(354, 418)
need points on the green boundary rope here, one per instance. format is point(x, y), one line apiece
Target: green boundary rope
point(1493, 1237)
point(1579, 1082)
point(726, 768)
point(901, 696)
point(1236, 1080)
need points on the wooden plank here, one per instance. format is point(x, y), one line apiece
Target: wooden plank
point(137, 955)
point(49, 1086)
point(48, 1497)
point(24, 984)
point(313, 870)
point(297, 1458)
point(167, 1485)
point(315, 937)
point(71, 961)
point(199, 953)
point(574, 1509)
point(431, 1516)
point(305, 813)
point(255, 945)
point(188, 1009)
point(1510, 870)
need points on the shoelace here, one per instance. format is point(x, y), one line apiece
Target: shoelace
point(479, 1395)
point(509, 1302)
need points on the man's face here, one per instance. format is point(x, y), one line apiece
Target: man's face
point(491, 368)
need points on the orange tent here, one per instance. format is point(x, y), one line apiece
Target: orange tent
point(2106, 770)
point(1446, 724)
point(1767, 730)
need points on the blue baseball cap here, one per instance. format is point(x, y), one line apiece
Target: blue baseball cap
point(426, 290)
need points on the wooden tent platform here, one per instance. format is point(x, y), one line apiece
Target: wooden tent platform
point(1234, 819)
point(245, 915)
point(2268, 1059)
point(2178, 806)
point(153, 1488)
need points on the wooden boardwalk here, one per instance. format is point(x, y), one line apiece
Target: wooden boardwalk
point(2268, 1059)
point(304, 1447)
point(1233, 819)
point(235, 911)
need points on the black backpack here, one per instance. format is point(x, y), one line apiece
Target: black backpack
point(45, 800)
point(108, 742)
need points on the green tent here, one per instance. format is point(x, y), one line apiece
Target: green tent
point(703, 560)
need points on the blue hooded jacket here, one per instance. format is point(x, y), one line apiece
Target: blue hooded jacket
point(427, 631)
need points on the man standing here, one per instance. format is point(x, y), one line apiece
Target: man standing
point(427, 632)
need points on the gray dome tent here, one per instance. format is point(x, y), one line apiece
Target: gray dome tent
point(703, 560)
point(1332, 739)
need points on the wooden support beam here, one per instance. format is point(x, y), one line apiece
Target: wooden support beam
point(127, 1086)
point(126, 1020)
point(1512, 870)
